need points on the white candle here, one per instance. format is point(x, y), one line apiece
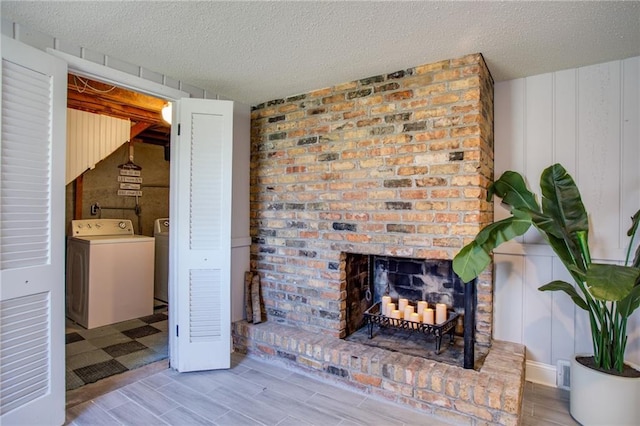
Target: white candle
point(416, 319)
point(385, 301)
point(408, 310)
point(395, 314)
point(427, 316)
point(422, 305)
point(402, 303)
point(390, 308)
point(441, 313)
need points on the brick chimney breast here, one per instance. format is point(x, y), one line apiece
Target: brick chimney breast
point(394, 165)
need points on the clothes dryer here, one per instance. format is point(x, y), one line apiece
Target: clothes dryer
point(161, 275)
point(109, 272)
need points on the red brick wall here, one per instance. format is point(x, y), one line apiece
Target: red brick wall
point(396, 164)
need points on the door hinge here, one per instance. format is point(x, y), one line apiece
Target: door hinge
point(177, 331)
point(178, 129)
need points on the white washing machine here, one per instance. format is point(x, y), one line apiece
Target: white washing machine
point(109, 272)
point(161, 275)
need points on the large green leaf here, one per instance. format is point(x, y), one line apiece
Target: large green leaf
point(470, 261)
point(567, 288)
point(561, 200)
point(611, 282)
point(513, 191)
point(564, 217)
point(475, 257)
point(630, 303)
point(503, 230)
point(552, 231)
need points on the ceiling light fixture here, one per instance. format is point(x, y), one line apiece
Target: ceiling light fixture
point(166, 112)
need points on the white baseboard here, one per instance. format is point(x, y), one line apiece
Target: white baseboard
point(543, 374)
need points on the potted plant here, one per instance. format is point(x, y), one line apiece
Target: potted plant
point(608, 292)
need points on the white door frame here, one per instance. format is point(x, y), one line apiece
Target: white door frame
point(88, 69)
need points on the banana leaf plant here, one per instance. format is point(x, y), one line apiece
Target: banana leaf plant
point(609, 293)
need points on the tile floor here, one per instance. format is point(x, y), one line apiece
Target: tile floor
point(252, 392)
point(101, 352)
point(256, 392)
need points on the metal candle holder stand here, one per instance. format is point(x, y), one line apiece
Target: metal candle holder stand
point(374, 316)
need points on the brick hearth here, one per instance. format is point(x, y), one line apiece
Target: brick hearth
point(491, 394)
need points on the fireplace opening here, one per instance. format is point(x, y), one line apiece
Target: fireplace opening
point(370, 277)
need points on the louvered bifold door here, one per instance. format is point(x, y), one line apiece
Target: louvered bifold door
point(32, 236)
point(201, 202)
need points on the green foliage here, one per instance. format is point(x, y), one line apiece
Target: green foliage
point(609, 293)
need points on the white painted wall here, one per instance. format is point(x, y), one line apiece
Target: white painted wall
point(587, 119)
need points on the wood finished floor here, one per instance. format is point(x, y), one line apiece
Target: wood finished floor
point(254, 392)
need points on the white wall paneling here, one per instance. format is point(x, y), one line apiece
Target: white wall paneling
point(587, 119)
point(508, 298)
point(91, 138)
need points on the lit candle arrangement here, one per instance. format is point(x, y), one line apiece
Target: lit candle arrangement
point(417, 314)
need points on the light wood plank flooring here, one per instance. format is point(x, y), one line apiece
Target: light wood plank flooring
point(254, 392)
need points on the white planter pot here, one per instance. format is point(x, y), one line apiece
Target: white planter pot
point(597, 398)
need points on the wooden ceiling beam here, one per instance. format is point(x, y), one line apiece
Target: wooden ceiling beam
point(114, 93)
point(138, 128)
point(87, 102)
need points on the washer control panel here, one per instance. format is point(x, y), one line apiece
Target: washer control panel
point(98, 227)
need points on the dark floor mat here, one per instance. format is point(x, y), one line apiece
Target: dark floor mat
point(113, 342)
point(124, 348)
point(154, 318)
point(95, 372)
point(72, 337)
point(138, 332)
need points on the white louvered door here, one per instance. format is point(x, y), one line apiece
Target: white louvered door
point(32, 371)
point(200, 211)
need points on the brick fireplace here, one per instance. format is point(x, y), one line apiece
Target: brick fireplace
point(393, 165)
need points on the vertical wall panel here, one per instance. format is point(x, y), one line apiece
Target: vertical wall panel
point(565, 119)
point(630, 200)
point(599, 161)
point(538, 140)
point(537, 321)
point(509, 132)
point(563, 313)
point(508, 298)
point(538, 126)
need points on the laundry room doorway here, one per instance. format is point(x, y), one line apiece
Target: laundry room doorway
point(209, 159)
point(200, 250)
point(118, 153)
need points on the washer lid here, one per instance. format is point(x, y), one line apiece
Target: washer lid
point(113, 239)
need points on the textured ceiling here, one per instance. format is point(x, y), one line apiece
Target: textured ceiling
point(254, 51)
